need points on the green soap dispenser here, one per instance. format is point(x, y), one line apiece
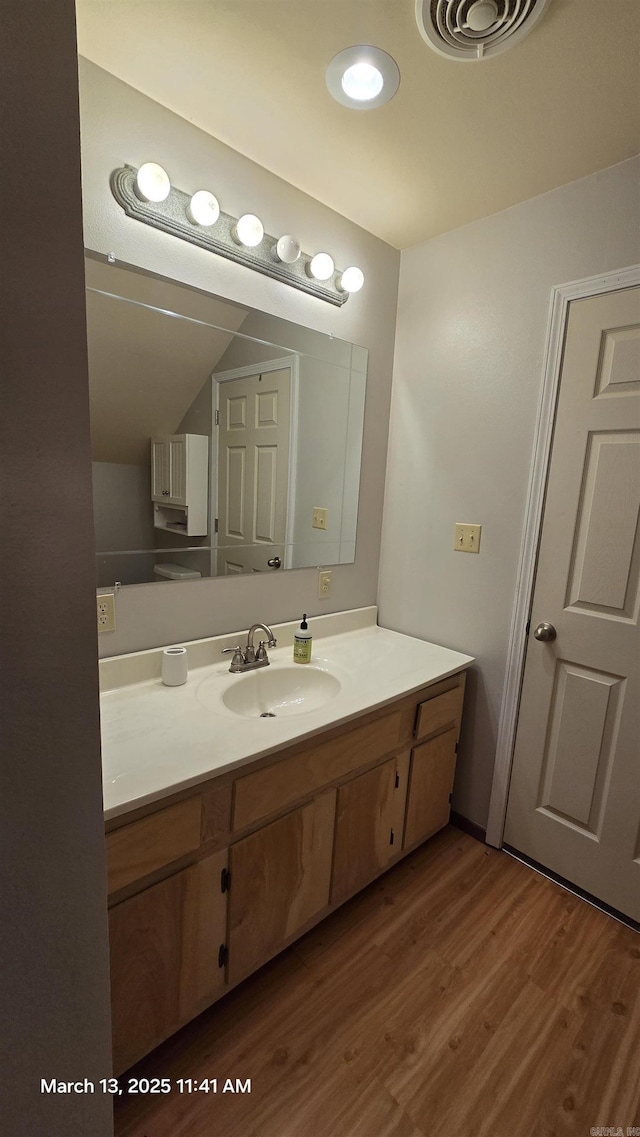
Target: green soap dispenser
point(302, 640)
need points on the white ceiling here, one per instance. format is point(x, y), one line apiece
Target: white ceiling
point(459, 140)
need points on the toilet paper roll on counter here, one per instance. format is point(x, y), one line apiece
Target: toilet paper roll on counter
point(174, 666)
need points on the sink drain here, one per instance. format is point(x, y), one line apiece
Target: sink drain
point(267, 715)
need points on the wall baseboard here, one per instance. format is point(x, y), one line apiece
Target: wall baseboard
point(470, 827)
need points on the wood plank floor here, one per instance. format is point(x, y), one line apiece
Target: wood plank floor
point(460, 995)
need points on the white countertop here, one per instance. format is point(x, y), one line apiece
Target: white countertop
point(157, 740)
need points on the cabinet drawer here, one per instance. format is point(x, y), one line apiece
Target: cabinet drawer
point(266, 791)
point(148, 844)
point(439, 713)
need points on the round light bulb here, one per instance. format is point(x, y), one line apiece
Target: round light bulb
point(248, 230)
point(203, 209)
point(362, 81)
point(321, 267)
point(152, 182)
point(287, 249)
point(351, 279)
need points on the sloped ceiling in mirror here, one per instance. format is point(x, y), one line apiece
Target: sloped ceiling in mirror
point(144, 357)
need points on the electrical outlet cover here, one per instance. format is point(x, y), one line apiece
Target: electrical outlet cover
point(106, 606)
point(324, 583)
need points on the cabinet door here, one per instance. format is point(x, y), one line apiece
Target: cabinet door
point(177, 459)
point(279, 881)
point(159, 469)
point(430, 783)
point(369, 823)
point(164, 957)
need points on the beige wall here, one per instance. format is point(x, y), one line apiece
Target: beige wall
point(472, 318)
point(54, 1011)
point(120, 125)
point(121, 506)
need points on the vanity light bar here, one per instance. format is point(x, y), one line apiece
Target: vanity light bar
point(179, 213)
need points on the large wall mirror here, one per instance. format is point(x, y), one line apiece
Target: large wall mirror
point(224, 440)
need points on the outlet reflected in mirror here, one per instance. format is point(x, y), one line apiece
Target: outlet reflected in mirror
point(215, 430)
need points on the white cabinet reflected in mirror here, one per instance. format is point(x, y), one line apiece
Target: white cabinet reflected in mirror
point(224, 440)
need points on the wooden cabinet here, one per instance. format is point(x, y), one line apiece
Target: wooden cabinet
point(154, 841)
point(299, 833)
point(308, 770)
point(179, 483)
point(165, 968)
point(280, 878)
point(159, 469)
point(433, 762)
point(369, 825)
point(433, 766)
point(440, 712)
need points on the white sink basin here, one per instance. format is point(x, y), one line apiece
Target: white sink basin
point(275, 693)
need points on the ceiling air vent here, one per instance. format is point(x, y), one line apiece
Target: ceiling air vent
point(475, 29)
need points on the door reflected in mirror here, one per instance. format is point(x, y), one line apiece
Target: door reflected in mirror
point(224, 440)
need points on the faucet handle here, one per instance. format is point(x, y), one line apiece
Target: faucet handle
point(261, 653)
point(238, 657)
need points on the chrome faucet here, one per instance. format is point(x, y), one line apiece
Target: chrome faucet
point(247, 658)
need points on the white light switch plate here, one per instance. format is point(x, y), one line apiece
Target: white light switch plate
point(467, 539)
point(320, 517)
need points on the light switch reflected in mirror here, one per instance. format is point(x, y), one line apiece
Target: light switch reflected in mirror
point(215, 431)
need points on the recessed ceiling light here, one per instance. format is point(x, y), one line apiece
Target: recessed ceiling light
point(362, 81)
point(363, 77)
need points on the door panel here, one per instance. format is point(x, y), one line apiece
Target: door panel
point(265, 494)
point(584, 711)
point(253, 470)
point(235, 494)
point(574, 800)
point(604, 573)
point(619, 369)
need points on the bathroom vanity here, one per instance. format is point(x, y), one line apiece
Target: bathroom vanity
point(262, 827)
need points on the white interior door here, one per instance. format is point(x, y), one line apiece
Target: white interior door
point(574, 798)
point(253, 471)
